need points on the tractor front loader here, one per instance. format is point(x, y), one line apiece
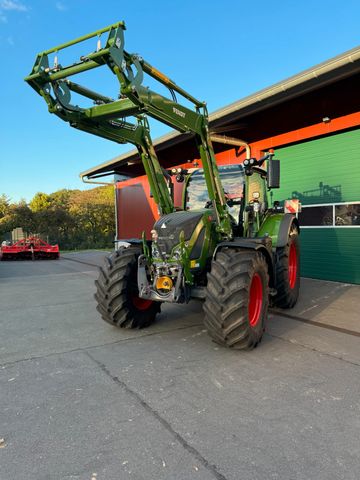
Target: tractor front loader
point(225, 246)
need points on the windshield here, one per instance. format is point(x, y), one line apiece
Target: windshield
point(232, 179)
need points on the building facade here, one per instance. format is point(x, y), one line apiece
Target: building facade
point(312, 121)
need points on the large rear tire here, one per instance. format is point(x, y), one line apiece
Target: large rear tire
point(237, 298)
point(117, 293)
point(287, 271)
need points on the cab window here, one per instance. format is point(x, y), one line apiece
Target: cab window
point(232, 179)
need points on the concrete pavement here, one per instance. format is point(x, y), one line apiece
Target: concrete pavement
point(81, 400)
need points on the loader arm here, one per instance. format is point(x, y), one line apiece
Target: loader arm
point(138, 135)
point(106, 117)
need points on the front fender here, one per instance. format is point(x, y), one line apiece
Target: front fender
point(261, 245)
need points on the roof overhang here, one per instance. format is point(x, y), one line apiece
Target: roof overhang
point(322, 75)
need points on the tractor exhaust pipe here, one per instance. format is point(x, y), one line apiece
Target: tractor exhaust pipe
point(232, 141)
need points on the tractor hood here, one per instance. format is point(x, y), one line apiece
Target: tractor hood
point(170, 226)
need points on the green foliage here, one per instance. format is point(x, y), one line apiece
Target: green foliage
point(74, 219)
point(4, 205)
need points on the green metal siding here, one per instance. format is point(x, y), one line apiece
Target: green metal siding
point(325, 170)
point(331, 254)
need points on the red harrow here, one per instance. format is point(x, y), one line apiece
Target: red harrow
point(31, 248)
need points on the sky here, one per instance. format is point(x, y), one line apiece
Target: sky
point(219, 51)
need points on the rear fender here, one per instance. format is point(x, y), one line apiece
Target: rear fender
point(284, 231)
point(277, 226)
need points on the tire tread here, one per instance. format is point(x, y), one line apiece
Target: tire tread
point(225, 306)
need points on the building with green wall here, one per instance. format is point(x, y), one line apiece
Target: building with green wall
point(312, 121)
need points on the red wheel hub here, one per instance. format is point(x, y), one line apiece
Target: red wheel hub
point(255, 300)
point(292, 270)
point(141, 303)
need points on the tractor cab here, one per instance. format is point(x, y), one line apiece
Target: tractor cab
point(243, 193)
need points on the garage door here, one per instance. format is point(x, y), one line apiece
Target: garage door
point(325, 175)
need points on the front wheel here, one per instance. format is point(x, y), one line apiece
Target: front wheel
point(117, 293)
point(237, 298)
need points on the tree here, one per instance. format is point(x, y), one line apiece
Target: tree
point(18, 215)
point(73, 218)
point(4, 205)
point(95, 212)
point(40, 202)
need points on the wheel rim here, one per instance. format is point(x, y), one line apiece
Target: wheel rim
point(141, 303)
point(255, 300)
point(292, 271)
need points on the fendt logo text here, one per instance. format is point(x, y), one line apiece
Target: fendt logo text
point(179, 112)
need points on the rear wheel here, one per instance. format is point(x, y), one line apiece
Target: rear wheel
point(237, 298)
point(117, 292)
point(287, 271)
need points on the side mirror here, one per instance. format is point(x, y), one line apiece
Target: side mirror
point(273, 173)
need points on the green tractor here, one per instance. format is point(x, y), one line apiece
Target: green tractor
point(225, 245)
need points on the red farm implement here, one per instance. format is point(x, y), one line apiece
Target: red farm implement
point(31, 248)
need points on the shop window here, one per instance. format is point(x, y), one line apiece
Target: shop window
point(316, 216)
point(348, 214)
point(333, 215)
